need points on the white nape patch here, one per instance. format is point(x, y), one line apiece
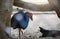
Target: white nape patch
point(19, 17)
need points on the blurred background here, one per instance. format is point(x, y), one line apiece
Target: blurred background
point(46, 14)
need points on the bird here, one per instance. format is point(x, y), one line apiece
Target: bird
point(20, 20)
point(49, 33)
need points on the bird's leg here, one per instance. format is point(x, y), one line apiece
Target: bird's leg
point(19, 32)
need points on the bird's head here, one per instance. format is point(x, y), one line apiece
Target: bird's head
point(30, 15)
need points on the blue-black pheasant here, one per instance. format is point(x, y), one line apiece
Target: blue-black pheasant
point(20, 20)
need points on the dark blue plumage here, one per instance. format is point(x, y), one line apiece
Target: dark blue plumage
point(20, 20)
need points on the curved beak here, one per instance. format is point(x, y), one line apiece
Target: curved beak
point(31, 16)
